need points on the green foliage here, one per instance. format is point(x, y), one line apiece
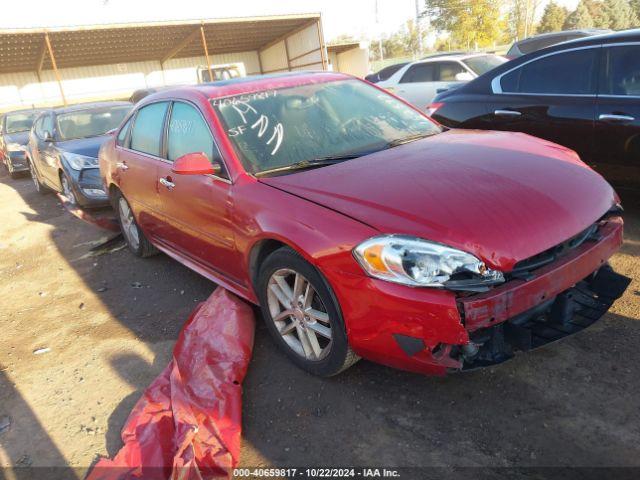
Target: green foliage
point(579, 18)
point(553, 18)
point(469, 23)
point(620, 14)
point(598, 12)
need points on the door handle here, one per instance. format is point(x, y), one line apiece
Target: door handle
point(122, 166)
point(507, 113)
point(608, 117)
point(167, 183)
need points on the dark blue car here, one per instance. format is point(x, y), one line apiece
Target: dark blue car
point(63, 150)
point(14, 136)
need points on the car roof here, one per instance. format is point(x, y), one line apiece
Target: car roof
point(563, 33)
point(451, 56)
point(610, 37)
point(253, 83)
point(88, 105)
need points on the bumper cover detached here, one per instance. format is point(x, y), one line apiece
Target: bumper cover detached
point(555, 301)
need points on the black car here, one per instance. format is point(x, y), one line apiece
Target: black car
point(63, 150)
point(14, 136)
point(583, 94)
point(544, 40)
point(385, 73)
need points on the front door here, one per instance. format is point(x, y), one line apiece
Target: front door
point(618, 115)
point(196, 208)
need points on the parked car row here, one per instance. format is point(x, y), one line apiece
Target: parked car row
point(583, 94)
point(361, 227)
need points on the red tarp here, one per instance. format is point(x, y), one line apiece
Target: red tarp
point(187, 424)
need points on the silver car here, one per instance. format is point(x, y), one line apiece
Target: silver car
point(420, 81)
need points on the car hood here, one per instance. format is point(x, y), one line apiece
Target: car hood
point(21, 138)
point(83, 146)
point(499, 195)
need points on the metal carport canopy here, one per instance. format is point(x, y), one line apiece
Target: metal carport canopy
point(26, 49)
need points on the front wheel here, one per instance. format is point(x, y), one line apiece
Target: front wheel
point(41, 189)
point(133, 235)
point(303, 315)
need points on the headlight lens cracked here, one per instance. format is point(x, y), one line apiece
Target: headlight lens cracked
point(421, 263)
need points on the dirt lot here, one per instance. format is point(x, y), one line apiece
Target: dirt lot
point(110, 322)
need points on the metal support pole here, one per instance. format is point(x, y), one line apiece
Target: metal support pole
point(206, 52)
point(323, 51)
point(55, 67)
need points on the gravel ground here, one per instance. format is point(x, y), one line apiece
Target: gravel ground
point(84, 335)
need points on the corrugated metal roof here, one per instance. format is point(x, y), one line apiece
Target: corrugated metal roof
point(25, 49)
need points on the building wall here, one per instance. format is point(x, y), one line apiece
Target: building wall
point(354, 62)
point(116, 81)
point(303, 48)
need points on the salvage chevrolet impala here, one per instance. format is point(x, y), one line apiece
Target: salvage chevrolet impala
point(362, 228)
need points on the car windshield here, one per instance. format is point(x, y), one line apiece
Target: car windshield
point(484, 63)
point(19, 122)
point(321, 121)
point(91, 122)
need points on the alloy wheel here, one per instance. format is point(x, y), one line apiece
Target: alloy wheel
point(299, 314)
point(129, 227)
point(67, 191)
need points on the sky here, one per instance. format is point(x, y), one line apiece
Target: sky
point(351, 17)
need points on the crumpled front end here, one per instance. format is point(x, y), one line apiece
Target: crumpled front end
point(437, 331)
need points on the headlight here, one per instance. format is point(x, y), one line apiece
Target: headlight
point(14, 147)
point(78, 162)
point(420, 263)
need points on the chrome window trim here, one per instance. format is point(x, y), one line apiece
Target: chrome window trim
point(496, 87)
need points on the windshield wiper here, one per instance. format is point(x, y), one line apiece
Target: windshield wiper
point(313, 163)
point(408, 139)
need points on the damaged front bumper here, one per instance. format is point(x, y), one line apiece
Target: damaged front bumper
point(556, 301)
point(435, 332)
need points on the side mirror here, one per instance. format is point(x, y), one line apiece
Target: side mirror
point(48, 137)
point(464, 77)
point(195, 164)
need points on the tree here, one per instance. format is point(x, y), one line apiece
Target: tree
point(553, 18)
point(599, 13)
point(621, 16)
point(579, 18)
point(522, 15)
point(470, 23)
point(635, 6)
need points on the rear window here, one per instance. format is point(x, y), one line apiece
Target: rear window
point(622, 71)
point(484, 63)
point(565, 73)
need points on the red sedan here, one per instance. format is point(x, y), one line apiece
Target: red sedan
point(362, 228)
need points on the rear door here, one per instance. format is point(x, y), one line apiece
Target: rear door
point(552, 96)
point(137, 164)
point(196, 208)
point(618, 114)
point(415, 84)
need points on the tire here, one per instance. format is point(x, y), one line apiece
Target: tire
point(67, 189)
point(315, 314)
point(133, 235)
point(41, 189)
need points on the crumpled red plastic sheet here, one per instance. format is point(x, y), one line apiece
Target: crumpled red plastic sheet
point(106, 221)
point(187, 425)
